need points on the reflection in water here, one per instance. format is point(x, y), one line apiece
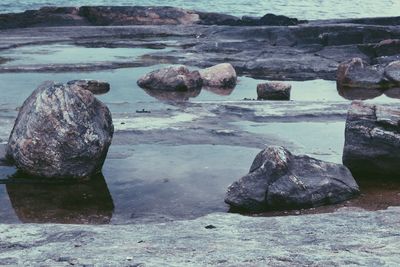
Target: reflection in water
point(367, 93)
point(172, 96)
point(219, 90)
point(86, 202)
point(184, 96)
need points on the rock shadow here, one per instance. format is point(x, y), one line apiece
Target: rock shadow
point(42, 201)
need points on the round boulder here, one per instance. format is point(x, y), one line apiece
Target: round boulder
point(220, 76)
point(61, 131)
point(392, 72)
point(281, 180)
point(273, 91)
point(176, 78)
point(359, 74)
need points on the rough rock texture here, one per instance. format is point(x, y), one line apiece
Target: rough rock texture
point(61, 132)
point(392, 72)
point(220, 76)
point(386, 47)
point(173, 96)
point(176, 78)
point(353, 237)
point(137, 15)
point(280, 180)
point(274, 91)
point(95, 86)
point(359, 74)
point(372, 141)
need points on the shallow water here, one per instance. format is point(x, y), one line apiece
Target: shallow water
point(143, 183)
point(305, 9)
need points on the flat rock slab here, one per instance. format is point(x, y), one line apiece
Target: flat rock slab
point(335, 239)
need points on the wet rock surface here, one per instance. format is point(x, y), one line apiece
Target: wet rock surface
point(363, 238)
point(372, 141)
point(178, 78)
point(273, 91)
point(280, 180)
point(95, 86)
point(61, 132)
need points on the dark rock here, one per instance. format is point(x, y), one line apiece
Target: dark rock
point(359, 93)
point(210, 226)
point(387, 47)
point(173, 96)
point(372, 141)
point(392, 72)
point(211, 18)
point(277, 20)
point(61, 131)
point(219, 76)
point(95, 86)
point(46, 16)
point(273, 91)
point(137, 15)
point(176, 78)
point(280, 180)
point(357, 73)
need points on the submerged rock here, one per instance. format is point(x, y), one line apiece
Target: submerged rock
point(61, 131)
point(95, 86)
point(372, 141)
point(219, 76)
point(274, 91)
point(359, 74)
point(280, 180)
point(176, 78)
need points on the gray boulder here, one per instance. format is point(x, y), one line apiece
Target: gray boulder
point(95, 86)
point(61, 131)
point(273, 91)
point(359, 74)
point(280, 180)
point(176, 78)
point(392, 72)
point(219, 76)
point(372, 141)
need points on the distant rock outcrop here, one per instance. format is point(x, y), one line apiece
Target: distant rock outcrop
point(281, 180)
point(61, 131)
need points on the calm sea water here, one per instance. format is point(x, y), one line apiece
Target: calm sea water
point(305, 9)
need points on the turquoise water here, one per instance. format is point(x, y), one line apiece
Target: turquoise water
point(305, 9)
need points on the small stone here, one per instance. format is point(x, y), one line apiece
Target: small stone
point(210, 226)
point(273, 91)
point(220, 76)
point(95, 86)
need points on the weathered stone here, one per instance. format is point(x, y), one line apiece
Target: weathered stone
point(274, 91)
point(388, 47)
point(95, 86)
point(280, 180)
point(173, 96)
point(137, 15)
point(372, 141)
point(61, 131)
point(219, 76)
point(359, 74)
point(392, 72)
point(176, 78)
point(359, 93)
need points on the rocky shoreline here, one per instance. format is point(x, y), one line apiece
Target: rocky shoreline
point(267, 48)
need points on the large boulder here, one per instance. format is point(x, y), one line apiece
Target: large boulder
point(61, 131)
point(219, 76)
point(281, 180)
point(357, 73)
point(273, 91)
point(175, 78)
point(95, 86)
point(372, 141)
